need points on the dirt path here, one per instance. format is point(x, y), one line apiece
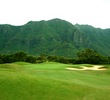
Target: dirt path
point(95, 67)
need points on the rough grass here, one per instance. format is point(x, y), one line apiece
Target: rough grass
point(51, 81)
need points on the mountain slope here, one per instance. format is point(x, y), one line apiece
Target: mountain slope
point(55, 37)
point(99, 38)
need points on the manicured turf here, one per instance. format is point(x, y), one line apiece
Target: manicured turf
point(52, 81)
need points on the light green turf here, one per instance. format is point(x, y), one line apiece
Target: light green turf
point(52, 81)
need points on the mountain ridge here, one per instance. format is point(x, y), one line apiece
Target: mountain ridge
point(53, 37)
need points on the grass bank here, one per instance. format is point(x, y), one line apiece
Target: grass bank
point(51, 81)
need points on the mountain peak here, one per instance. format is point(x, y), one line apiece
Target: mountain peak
point(56, 19)
point(55, 36)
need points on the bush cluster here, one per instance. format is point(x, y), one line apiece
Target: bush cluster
point(18, 56)
point(87, 56)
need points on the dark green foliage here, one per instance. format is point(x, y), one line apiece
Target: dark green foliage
point(108, 59)
point(53, 58)
point(90, 56)
point(1, 59)
point(17, 57)
point(86, 56)
point(20, 56)
point(31, 59)
point(53, 37)
point(42, 58)
point(7, 58)
point(66, 60)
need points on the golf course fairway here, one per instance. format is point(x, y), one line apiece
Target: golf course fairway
point(53, 81)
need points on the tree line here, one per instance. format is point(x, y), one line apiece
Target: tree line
point(18, 56)
point(87, 56)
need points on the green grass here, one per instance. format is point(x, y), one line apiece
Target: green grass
point(80, 66)
point(51, 81)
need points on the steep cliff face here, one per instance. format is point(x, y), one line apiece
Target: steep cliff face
point(56, 37)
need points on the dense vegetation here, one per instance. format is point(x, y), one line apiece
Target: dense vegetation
point(87, 56)
point(53, 37)
point(18, 56)
point(92, 57)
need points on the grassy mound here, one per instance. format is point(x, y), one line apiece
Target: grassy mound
point(51, 81)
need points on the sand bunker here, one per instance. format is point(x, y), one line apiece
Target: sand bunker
point(95, 67)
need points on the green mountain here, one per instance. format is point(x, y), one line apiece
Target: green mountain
point(54, 37)
point(99, 39)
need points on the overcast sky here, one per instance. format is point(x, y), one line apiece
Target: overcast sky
point(92, 12)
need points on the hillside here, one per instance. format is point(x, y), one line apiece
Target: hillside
point(99, 39)
point(53, 37)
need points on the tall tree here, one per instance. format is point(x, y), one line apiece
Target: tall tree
point(1, 59)
point(90, 56)
point(20, 56)
point(31, 59)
